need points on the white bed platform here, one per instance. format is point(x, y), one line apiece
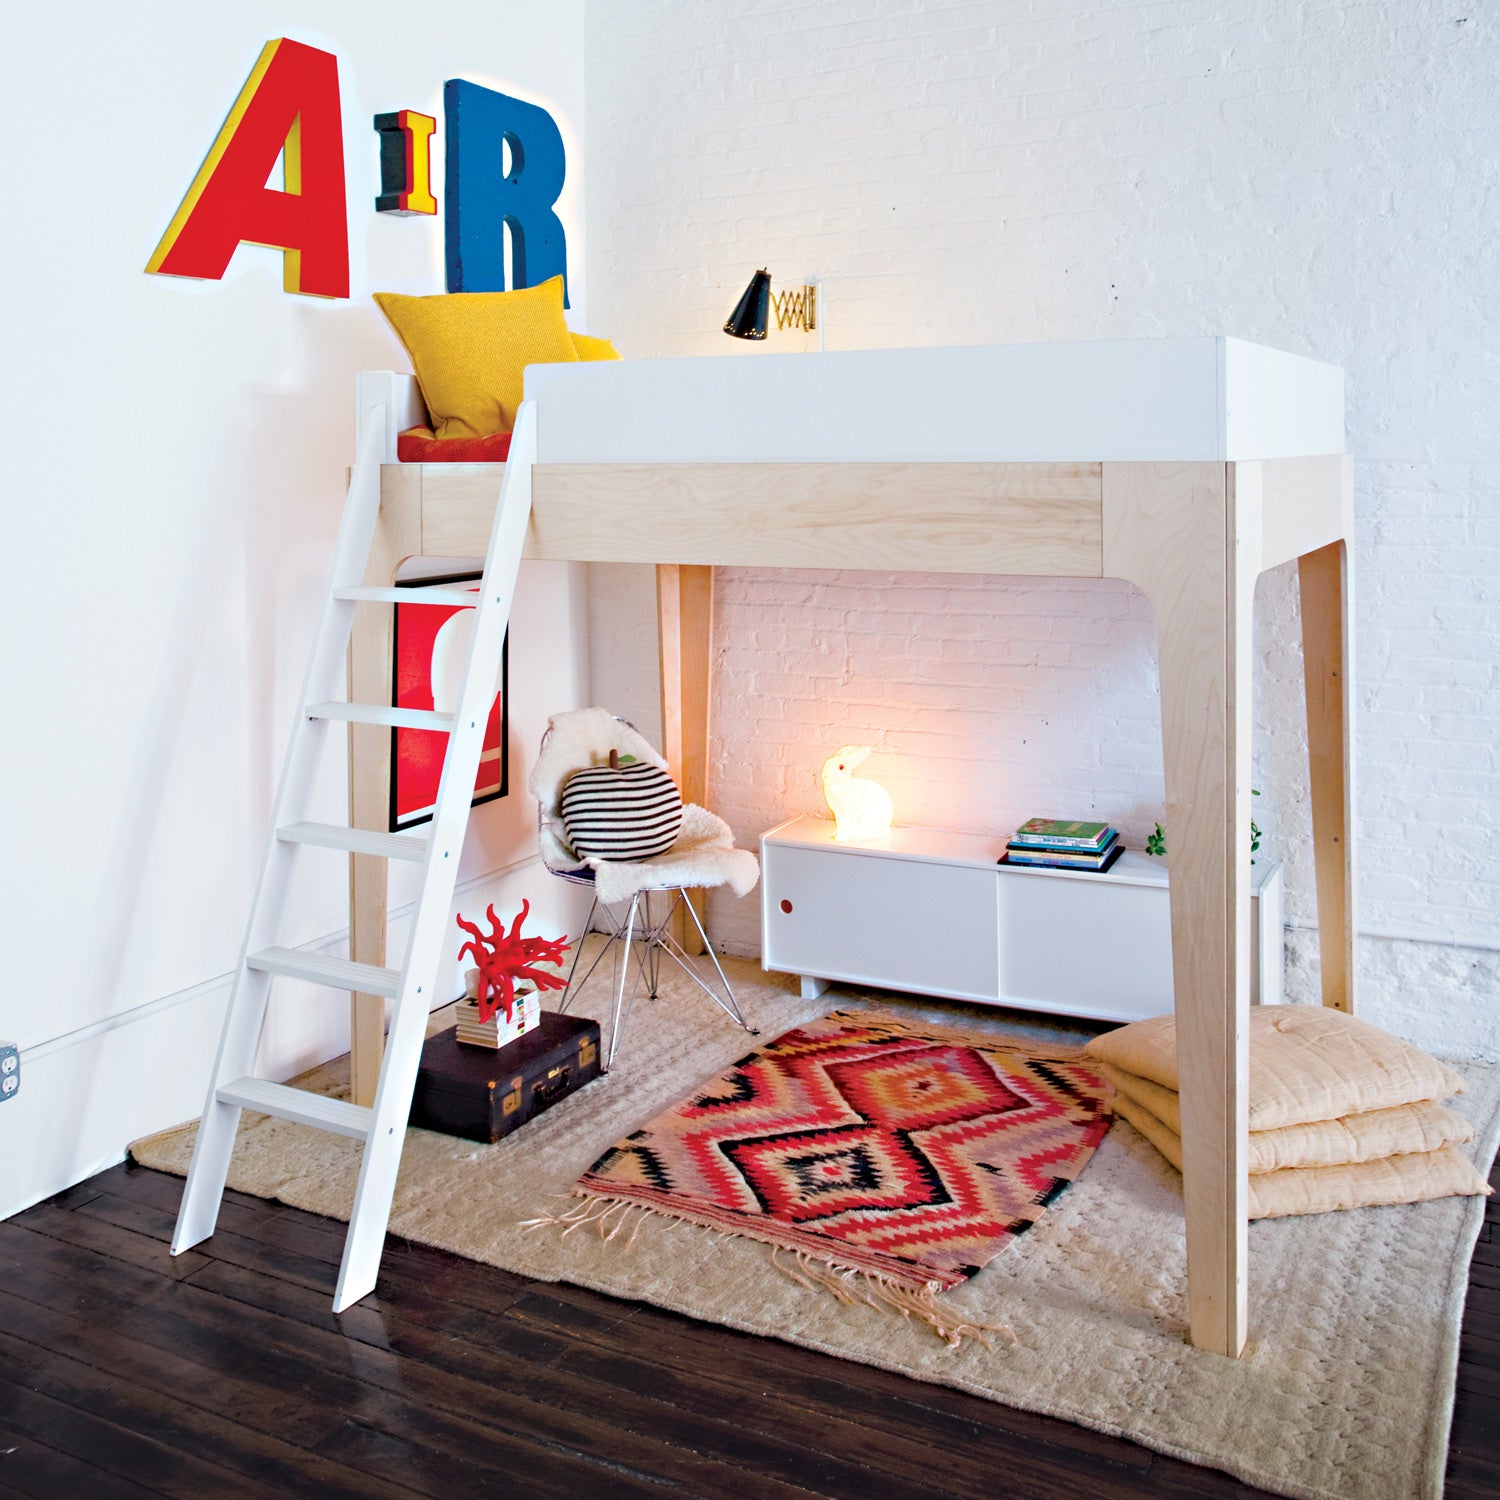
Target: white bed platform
point(1187, 466)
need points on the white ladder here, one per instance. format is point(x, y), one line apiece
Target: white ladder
point(382, 1127)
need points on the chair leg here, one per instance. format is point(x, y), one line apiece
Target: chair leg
point(649, 936)
point(568, 990)
point(617, 1020)
point(650, 949)
point(727, 1002)
point(612, 937)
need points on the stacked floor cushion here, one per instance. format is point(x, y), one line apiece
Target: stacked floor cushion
point(1342, 1114)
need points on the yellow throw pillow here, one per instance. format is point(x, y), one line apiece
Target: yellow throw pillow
point(470, 351)
point(1307, 1062)
point(1406, 1177)
point(591, 348)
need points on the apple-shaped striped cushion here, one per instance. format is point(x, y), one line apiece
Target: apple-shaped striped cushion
point(629, 811)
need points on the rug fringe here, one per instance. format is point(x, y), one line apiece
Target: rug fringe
point(598, 1212)
point(848, 1284)
point(852, 1284)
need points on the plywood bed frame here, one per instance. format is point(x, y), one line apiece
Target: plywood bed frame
point(1187, 466)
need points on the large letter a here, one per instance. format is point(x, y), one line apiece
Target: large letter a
point(290, 103)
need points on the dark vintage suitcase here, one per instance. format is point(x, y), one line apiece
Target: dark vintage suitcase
point(481, 1094)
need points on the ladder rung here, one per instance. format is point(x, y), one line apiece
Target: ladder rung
point(337, 973)
point(356, 840)
point(287, 1103)
point(373, 713)
point(462, 598)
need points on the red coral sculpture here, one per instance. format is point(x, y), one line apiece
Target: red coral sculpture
point(504, 957)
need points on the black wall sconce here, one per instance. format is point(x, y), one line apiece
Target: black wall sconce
point(795, 308)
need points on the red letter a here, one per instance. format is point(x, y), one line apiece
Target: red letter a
point(289, 103)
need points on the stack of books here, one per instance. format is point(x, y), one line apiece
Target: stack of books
point(497, 1032)
point(1060, 845)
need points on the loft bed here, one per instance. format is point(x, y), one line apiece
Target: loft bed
point(1186, 466)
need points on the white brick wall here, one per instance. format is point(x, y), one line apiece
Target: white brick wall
point(1318, 176)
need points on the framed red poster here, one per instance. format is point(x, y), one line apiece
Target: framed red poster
point(431, 647)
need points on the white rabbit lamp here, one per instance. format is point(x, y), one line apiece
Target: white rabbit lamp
point(861, 809)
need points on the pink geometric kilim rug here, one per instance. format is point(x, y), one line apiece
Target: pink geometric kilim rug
point(891, 1159)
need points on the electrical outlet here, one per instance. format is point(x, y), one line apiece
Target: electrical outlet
point(10, 1070)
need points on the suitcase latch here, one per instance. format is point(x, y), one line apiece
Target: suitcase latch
point(586, 1053)
point(555, 1083)
point(512, 1101)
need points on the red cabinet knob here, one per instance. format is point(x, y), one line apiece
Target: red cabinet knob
point(786, 906)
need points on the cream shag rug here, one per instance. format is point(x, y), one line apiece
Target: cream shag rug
point(1346, 1389)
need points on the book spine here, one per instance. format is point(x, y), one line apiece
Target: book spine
point(1089, 866)
point(1058, 852)
point(1043, 841)
point(1018, 857)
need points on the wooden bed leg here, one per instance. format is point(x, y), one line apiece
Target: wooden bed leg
point(684, 610)
point(1170, 528)
point(398, 535)
point(1326, 664)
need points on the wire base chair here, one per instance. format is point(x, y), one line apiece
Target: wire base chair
point(703, 856)
point(645, 933)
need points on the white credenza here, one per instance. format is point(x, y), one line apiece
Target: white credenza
point(931, 912)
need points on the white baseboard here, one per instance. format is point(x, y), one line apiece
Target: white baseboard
point(86, 1095)
point(82, 1102)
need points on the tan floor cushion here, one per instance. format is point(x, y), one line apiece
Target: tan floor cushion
point(1307, 1062)
point(1319, 1143)
point(1409, 1177)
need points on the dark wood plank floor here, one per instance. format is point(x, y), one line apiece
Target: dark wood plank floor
point(223, 1373)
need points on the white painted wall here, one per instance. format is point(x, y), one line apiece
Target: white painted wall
point(173, 491)
point(1317, 175)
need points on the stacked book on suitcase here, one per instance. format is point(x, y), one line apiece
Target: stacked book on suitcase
point(1057, 844)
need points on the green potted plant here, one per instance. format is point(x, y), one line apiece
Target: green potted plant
point(1156, 841)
